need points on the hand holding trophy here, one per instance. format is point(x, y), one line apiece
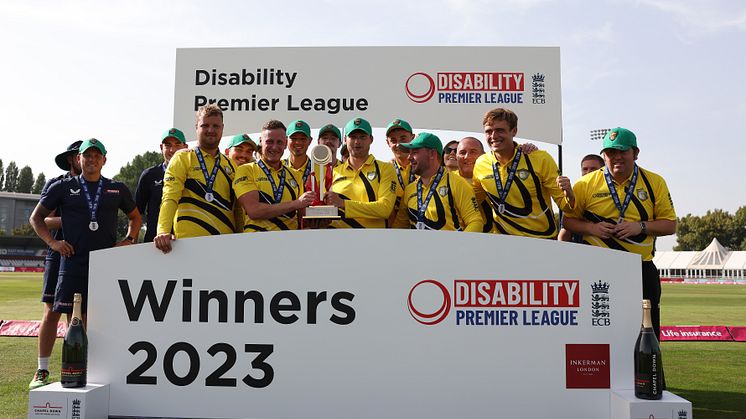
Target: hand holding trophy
point(319, 215)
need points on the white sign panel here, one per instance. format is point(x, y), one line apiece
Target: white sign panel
point(438, 88)
point(363, 324)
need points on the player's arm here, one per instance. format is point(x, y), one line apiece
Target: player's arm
point(466, 205)
point(173, 188)
point(382, 206)
point(53, 221)
point(142, 192)
point(402, 217)
point(134, 220)
point(51, 198)
point(257, 210)
point(558, 186)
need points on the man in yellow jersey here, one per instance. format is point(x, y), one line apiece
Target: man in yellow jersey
point(399, 132)
point(268, 190)
point(469, 149)
point(198, 198)
point(330, 136)
point(625, 207)
point(519, 186)
point(439, 199)
point(590, 163)
point(241, 149)
point(363, 188)
point(299, 138)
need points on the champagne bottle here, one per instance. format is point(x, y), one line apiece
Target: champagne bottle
point(75, 349)
point(648, 362)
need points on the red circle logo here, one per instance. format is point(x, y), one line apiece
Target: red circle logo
point(440, 291)
point(420, 87)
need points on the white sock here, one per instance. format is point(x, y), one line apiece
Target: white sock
point(44, 363)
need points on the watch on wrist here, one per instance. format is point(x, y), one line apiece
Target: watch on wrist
point(643, 227)
point(130, 239)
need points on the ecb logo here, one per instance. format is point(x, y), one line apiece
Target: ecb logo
point(600, 308)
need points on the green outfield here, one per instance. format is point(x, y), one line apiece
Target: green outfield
point(712, 375)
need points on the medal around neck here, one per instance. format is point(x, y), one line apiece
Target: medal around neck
point(93, 226)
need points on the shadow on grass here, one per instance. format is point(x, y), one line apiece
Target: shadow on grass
point(714, 404)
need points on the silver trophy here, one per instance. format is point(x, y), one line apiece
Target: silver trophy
point(320, 181)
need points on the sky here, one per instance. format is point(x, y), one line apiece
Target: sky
point(671, 71)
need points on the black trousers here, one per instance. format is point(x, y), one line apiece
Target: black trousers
point(651, 290)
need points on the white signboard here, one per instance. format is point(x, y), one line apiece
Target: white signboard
point(438, 88)
point(363, 324)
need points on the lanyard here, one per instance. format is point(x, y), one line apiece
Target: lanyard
point(92, 204)
point(306, 172)
point(422, 206)
point(503, 192)
point(209, 179)
point(401, 179)
point(276, 191)
point(622, 207)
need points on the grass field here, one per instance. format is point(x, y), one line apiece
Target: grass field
point(712, 375)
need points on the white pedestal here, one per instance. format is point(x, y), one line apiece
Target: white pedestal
point(624, 405)
point(55, 401)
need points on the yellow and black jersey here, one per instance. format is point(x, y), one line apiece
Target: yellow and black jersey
point(369, 194)
point(251, 177)
point(404, 177)
point(485, 210)
point(650, 201)
point(301, 173)
point(527, 210)
point(451, 207)
point(185, 209)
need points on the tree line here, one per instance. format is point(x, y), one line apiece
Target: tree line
point(693, 232)
point(14, 180)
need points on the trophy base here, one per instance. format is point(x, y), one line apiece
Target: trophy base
point(321, 212)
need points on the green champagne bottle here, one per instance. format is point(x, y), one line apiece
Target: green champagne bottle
point(648, 362)
point(75, 349)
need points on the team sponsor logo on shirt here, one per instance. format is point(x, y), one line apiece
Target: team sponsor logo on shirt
point(601, 194)
point(551, 302)
point(242, 179)
point(487, 177)
point(371, 175)
point(75, 192)
point(158, 182)
point(114, 191)
point(642, 194)
point(522, 174)
point(169, 179)
point(443, 190)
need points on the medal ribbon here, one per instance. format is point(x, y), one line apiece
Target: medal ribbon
point(306, 172)
point(401, 179)
point(209, 179)
point(622, 207)
point(277, 192)
point(422, 206)
point(92, 205)
point(502, 193)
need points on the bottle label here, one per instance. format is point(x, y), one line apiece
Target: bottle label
point(73, 371)
point(648, 377)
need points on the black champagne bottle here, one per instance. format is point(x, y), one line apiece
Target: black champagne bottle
point(75, 349)
point(648, 362)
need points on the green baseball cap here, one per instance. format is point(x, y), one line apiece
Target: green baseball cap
point(92, 142)
point(425, 140)
point(240, 139)
point(619, 139)
point(298, 126)
point(398, 123)
point(358, 124)
point(174, 133)
point(330, 127)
